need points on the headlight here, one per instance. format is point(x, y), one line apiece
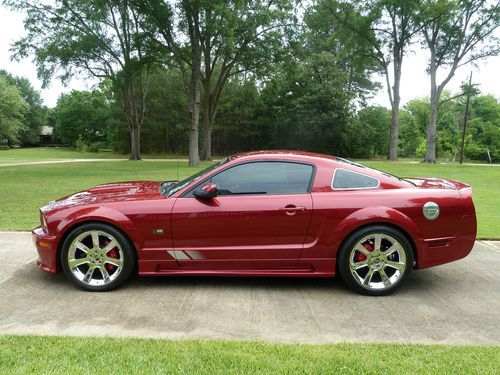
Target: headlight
point(43, 220)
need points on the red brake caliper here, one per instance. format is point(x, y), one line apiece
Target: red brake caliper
point(360, 257)
point(113, 253)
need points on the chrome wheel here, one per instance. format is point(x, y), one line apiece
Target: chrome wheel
point(377, 261)
point(95, 258)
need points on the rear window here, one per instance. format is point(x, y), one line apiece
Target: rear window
point(344, 179)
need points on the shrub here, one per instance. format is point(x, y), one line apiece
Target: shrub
point(421, 149)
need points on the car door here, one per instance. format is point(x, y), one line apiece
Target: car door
point(259, 219)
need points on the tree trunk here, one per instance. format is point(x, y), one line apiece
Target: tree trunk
point(133, 119)
point(135, 142)
point(393, 142)
point(430, 154)
point(206, 147)
point(194, 112)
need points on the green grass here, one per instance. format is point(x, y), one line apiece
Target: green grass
point(18, 155)
point(68, 355)
point(23, 189)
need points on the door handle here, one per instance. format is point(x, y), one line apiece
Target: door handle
point(292, 209)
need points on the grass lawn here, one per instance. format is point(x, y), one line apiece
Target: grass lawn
point(23, 189)
point(18, 155)
point(61, 355)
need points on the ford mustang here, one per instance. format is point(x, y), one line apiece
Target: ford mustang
point(264, 213)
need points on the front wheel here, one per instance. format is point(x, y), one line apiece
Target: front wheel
point(375, 260)
point(97, 257)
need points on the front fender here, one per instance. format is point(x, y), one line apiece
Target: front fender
point(101, 214)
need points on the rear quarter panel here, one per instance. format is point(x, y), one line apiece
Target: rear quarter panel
point(339, 213)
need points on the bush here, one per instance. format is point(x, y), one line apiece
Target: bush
point(421, 149)
point(474, 151)
point(4, 147)
point(80, 144)
point(94, 147)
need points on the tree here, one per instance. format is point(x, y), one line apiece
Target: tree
point(82, 115)
point(36, 113)
point(236, 36)
point(459, 32)
point(101, 38)
point(388, 26)
point(174, 30)
point(12, 110)
point(210, 41)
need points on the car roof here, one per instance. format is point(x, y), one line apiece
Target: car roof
point(282, 154)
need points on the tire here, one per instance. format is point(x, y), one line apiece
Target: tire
point(371, 271)
point(97, 268)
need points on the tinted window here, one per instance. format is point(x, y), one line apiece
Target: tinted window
point(182, 184)
point(264, 178)
point(344, 179)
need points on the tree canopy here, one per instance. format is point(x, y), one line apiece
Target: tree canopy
point(215, 77)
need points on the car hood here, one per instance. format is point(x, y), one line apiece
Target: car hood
point(108, 193)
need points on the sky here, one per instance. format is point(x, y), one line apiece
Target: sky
point(414, 81)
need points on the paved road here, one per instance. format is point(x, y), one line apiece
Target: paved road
point(454, 303)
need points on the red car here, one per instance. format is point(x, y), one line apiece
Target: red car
point(267, 213)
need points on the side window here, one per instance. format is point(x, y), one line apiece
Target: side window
point(344, 179)
point(264, 178)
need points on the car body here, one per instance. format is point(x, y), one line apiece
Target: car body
point(267, 213)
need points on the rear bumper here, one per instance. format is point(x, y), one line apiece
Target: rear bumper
point(46, 247)
point(436, 251)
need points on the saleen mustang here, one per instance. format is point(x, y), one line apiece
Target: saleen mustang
point(267, 213)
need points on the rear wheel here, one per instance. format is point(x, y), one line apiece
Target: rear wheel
point(375, 260)
point(97, 257)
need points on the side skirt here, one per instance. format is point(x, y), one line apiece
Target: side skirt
point(305, 268)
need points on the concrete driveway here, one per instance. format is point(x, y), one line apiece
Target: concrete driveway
point(455, 303)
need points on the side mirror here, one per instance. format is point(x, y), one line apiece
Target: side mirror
point(207, 191)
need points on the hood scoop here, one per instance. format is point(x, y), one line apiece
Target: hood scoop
point(113, 188)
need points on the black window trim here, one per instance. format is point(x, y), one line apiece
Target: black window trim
point(309, 188)
point(353, 188)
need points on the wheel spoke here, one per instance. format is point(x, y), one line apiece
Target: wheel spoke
point(104, 273)
point(397, 265)
point(362, 249)
point(95, 239)
point(357, 265)
point(110, 246)
point(384, 277)
point(391, 250)
point(72, 263)
point(368, 278)
point(377, 243)
point(113, 261)
point(88, 275)
point(81, 247)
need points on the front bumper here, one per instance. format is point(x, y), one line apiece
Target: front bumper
point(46, 246)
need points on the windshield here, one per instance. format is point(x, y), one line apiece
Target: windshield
point(172, 189)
